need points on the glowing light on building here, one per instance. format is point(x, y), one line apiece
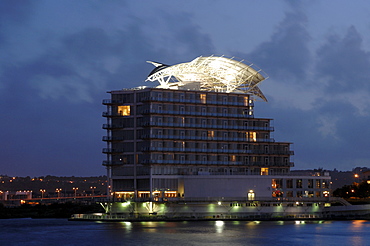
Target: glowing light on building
point(212, 73)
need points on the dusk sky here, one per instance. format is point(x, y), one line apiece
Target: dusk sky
point(59, 58)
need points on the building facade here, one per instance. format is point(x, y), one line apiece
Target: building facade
point(194, 139)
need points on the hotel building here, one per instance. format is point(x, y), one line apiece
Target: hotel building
point(195, 137)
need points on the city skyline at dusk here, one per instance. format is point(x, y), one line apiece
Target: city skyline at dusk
point(59, 58)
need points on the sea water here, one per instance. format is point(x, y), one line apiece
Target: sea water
point(64, 232)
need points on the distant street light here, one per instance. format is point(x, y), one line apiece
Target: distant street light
point(42, 193)
point(58, 190)
point(75, 189)
point(92, 188)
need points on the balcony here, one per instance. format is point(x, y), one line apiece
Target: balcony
point(112, 139)
point(110, 126)
point(209, 126)
point(110, 102)
point(112, 150)
point(196, 101)
point(112, 163)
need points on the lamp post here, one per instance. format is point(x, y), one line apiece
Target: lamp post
point(75, 190)
point(42, 193)
point(58, 190)
point(92, 188)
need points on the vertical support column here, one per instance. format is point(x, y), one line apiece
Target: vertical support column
point(150, 183)
point(135, 146)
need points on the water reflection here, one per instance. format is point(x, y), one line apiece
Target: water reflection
point(220, 225)
point(287, 233)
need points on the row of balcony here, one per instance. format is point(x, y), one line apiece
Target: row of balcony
point(185, 113)
point(229, 139)
point(206, 138)
point(218, 163)
point(238, 163)
point(179, 100)
point(185, 125)
point(200, 150)
point(235, 151)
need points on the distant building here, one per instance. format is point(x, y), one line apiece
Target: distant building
point(195, 136)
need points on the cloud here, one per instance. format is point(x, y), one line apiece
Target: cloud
point(53, 96)
point(319, 98)
point(343, 63)
point(13, 14)
point(286, 55)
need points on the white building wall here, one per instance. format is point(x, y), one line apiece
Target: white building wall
point(227, 186)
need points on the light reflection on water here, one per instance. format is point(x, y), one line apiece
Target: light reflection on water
point(63, 232)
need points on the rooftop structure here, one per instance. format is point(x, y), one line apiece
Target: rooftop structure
point(213, 73)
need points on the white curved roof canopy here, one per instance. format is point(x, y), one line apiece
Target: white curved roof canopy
point(213, 73)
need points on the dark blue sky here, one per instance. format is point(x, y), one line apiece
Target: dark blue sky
point(59, 58)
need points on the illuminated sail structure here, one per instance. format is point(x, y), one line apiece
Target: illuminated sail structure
point(212, 73)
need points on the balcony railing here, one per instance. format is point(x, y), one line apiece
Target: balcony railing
point(229, 139)
point(196, 101)
point(112, 139)
point(209, 126)
point(194, 113)
point(110, 101)
point(219, 163)
point(111, 126)
point(112, 163)
point(111, 150)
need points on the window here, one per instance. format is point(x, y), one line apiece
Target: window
point(204, 111)
point(264, 171)
point(251, 136)
point(204, 123)
point(203, 98)
point(246, 100)
point(310, 183)
point(299, 194)
point(124, 110)
point(277, 183)
point(299, 183)
point(289, 184)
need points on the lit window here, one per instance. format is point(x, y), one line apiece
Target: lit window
point(246, 100)
point(264, 171)
point(203, 98)
point(124, 110)
point(211, 134)
point(251, 136)
point(251, 195)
